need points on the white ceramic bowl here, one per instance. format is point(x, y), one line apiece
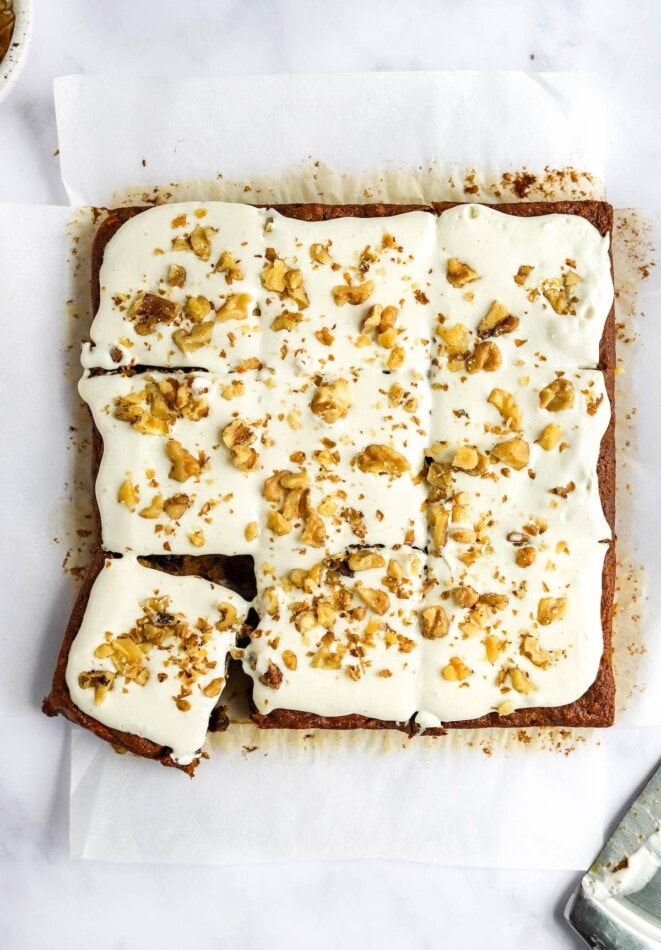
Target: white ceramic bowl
point(14, 60)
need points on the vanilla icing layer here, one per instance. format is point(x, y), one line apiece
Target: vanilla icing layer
point(415, 382)
point(403, 257)
point(393, 641)
point(165, 700)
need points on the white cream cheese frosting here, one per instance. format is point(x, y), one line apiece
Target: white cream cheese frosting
point(149, 657)
point(422, 386)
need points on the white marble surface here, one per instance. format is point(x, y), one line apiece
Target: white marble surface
point(48, 900)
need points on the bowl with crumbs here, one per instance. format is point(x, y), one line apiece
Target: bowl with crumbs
point(15, 35)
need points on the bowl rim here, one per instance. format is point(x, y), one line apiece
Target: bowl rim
point(14, 60)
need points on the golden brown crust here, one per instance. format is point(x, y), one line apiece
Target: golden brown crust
point(594, 708)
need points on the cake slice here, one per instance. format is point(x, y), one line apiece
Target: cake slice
point(145, 658)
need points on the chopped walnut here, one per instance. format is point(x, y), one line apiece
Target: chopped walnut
point(465, 458)
point(283, 280)
point(175, 506)
point(550, 609)
point(465, 596)
point(214, 687)
point(234, 307)
point(277, 523)
point(272, 677)
point(382, 460)
point(353, 294)
point(557, 395)
point(486, 356)
point(197, 308)
point(148, 310)
point(493, 646)
point(324, 659)
point(456, 338)
point(497, 321)
point(459, 274)
point(434, 622)
point(507, 407)
point(154, 509)
point(319, 253)
point(184, 465)
point(377, 600)
point(332, 401)
point(228, 616)
point(176, 275)
point(228, 266)
point(514, 452)
point(523, 272)
point(365, 560)
point(101, 681)
point(456, 670)
point(438, 519)
point(251, 531)
point(288, 320)
point(520, 681)
point(238, 437)
point(289, 659)
point(192, 340)
point(550, 436)
point(200, 241)
point(525, 556)
point(533, 651)
point(127, 495)
point(196, 538)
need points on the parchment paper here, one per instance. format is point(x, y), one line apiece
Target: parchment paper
point(493, 798)
point(377, 136)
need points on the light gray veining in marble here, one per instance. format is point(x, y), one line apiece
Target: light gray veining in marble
point(47, 900)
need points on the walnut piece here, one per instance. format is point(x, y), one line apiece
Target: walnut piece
point(332, 401)
point(514, 452)
point(238, 437)
point(382, 460)
point(456, 670)
point(497, 321)
point(353, 294)
point(319, 253)
point(234, 307)
point(127, 495)
point(228, 266)
point(550, 609)
point(486, 356)
point(272, 677)
point(184, 465)
point(550, 436)
point(101, 681)
point(438, 517)
point(288, 320)
point(365, 560)
point(533, 651)
point(283, 280)
point(525, 556)
point(506, 405)
point(176, 275)
point(524, 271)
point(459, 274)
point(558, 395)
point(434, 622)
point(148, 310)
point(377, 600)
point(194, 339)
point(520, 681)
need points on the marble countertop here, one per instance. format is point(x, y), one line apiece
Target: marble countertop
point(45, 898)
